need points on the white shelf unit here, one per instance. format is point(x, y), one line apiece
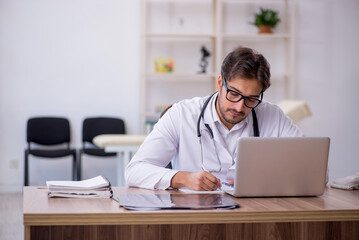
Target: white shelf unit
point(179, 28)
point(234, 29)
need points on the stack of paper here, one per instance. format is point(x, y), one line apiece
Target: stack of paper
point(97, 187)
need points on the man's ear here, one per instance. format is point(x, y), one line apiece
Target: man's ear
point(219, 83)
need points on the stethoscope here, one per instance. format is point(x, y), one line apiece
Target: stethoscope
point(199, 135)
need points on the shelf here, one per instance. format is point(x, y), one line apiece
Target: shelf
point(177, 36)
point(178, 1)
point(279, 78)
point(199, 77)
point(152, 115)
point(178, 29)
point(257, 36)
point(256, 1)
point(179, 77)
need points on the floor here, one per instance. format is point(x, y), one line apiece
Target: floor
point(11, 221)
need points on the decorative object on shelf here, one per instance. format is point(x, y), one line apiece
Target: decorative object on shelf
point(164, 65)
point(266, 20)
point(204, 62)
point(160, 108)
point(181, 25)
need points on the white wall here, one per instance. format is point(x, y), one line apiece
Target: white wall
point(69, 58)
point(78, 58)
point(328, 77)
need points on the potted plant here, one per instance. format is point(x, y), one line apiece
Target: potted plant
point(266, 20)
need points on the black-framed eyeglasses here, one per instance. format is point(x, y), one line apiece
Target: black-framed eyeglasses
point(249, 102)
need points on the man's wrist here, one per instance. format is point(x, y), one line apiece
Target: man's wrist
point(179, 179)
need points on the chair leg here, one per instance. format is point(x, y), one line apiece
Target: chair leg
point(26, 169)
point(79, 170)
point(74, 167)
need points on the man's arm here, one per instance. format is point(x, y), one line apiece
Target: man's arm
point(147, 167)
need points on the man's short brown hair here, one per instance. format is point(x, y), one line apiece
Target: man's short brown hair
point(246, 63)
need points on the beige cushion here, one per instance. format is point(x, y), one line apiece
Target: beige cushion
point(295, 109)
point(118, 139)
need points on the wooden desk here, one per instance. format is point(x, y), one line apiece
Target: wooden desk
point(335, 215)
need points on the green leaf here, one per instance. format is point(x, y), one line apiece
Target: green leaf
point(266, 17)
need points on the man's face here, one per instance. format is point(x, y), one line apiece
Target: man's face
point(232, 113)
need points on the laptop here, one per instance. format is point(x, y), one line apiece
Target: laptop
point(280, 167)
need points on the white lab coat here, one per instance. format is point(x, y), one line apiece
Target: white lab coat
point(174, 139)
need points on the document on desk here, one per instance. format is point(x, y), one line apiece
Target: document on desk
point(175, 200)
point(225, 187)
point(97, 187)
point(187, 190)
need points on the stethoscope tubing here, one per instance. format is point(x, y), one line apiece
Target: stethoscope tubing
point(209, 129)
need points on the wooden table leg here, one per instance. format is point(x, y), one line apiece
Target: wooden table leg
point(27, 232)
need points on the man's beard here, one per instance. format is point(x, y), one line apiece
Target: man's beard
point(241, 114)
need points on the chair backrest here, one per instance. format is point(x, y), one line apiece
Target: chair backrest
point(101, 125)
point(166, 109)
point(48, 130)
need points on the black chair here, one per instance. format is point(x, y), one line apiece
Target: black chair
point(48, 131)
point(93, 127)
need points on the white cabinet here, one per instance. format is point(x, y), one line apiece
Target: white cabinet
point(177, 29)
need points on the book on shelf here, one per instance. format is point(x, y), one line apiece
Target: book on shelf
point(164, 65)
point(97, 187)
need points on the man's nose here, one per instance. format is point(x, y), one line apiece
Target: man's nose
point(239, 106)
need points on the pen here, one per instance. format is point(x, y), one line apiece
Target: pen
point(219, 186)
point(116, 199)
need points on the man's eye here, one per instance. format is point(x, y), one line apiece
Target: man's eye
point(252, 100)
point(234, 94)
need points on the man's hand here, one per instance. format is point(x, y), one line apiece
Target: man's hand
point(199, 181)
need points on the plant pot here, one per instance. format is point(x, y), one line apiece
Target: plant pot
point(264, 29)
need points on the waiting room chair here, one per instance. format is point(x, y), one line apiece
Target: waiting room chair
point(48, 131)
point(93, 127)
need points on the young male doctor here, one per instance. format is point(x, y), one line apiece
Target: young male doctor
point(199, 135)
